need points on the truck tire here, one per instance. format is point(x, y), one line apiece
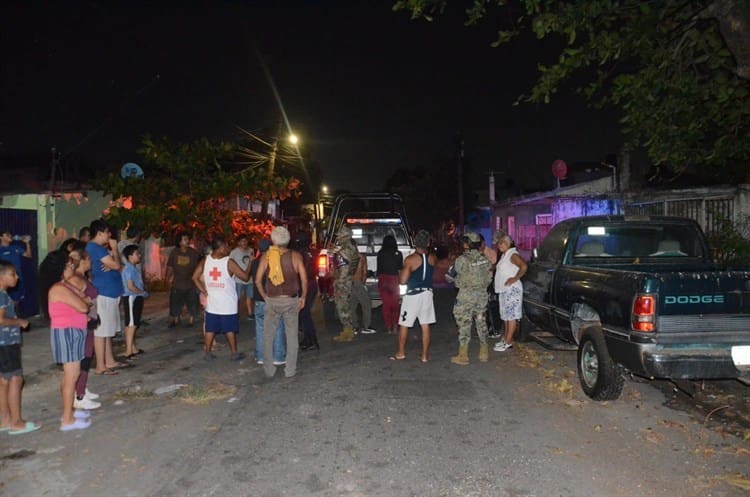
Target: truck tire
point(600, 377)
point(525, 328)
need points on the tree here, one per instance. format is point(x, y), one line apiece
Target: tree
point(678, 71)
point(429, 193)
point(190, 187)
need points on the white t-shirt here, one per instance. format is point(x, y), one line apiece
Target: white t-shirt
point(220, 288)
point(506, 269)
point(243, 258)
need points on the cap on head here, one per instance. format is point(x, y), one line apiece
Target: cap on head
point(345, 232)
point(264, 245)
point(422, 239)
point(472, 237)
point(280, 236)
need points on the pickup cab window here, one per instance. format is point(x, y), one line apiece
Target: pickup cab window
point(663, 241)
point(369, 236)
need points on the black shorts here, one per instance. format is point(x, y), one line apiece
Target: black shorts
point(10, 361)
point(133, 309)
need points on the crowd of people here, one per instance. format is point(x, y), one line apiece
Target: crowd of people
point(94, 288)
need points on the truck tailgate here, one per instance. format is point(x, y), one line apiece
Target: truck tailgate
point(711, 301)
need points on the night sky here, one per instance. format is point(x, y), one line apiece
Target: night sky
point(368, 90)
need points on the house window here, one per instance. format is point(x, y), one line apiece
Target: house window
point(543, 219)
point(498, 223)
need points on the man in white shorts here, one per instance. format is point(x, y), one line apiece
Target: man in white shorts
point(105, 275)
point(417, 303)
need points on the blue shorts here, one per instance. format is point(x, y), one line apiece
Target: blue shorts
point(246, 288)
point(10, 361)
point(222, 323)
point(67, 344)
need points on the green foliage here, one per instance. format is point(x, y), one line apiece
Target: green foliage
point(190, 187)
point(730, 244)
point(664, 65)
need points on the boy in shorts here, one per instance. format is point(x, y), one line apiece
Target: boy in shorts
point(11, 373)
point(133, 294)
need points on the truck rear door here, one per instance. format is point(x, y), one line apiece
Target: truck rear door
point(713, 303)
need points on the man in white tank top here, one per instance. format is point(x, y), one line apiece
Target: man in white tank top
point(214, 278)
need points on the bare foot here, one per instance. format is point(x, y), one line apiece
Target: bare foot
point(424, 359)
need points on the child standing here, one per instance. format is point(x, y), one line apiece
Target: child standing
point(11, 373)
point(133, 295)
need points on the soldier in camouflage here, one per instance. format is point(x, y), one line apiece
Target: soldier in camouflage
point(473, 274)
point(346, 258)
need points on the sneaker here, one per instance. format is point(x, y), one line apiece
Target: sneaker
point(259, 361)
point(279, 363)
point(90, 395)
point(494, 334)
point(86, 404)
point(367, 331)
point(81, 414)
point(78, 424)
point(208, 356)
point(238, 356)
point(251, 317)
point(502, 346)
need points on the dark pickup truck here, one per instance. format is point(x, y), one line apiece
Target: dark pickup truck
point(639, 295)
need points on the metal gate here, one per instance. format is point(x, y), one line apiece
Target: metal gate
point(708, 212)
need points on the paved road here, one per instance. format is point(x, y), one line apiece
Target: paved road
point(353, 423)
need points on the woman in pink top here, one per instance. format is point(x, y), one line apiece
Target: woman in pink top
point(68, 308)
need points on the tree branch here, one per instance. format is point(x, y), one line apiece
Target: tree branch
point(733, 17)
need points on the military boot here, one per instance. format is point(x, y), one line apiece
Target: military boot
point(462, 359)
point(484, 352)
point(345, 336)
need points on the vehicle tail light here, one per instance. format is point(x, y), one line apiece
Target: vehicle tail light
point(323, 265)
point(644, 313)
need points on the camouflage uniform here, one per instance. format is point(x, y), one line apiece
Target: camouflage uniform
point(346, 259)
point(472, 277)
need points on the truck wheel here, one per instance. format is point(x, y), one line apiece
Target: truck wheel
point(525, 328)
point(601, 378)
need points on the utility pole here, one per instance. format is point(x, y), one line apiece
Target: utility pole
point(274, 151)
point(460, 146)
point(53, 169)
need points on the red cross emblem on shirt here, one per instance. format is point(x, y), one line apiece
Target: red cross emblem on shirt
point(215, 273)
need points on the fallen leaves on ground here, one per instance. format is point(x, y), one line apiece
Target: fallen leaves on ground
point(528, 358)
point(671, 424)
point(205, 394)
point(652, 436)
point(563, 386)
point(737, 480)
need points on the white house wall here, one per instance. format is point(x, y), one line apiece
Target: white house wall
point(67, 211)
point(565, 208)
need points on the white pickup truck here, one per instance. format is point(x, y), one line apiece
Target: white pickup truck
point(371, 216)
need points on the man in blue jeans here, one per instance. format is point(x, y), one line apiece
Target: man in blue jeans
point(279, 341)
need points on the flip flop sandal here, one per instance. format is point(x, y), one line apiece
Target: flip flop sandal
point(30, 426)
point(107, 372)
point(394, 357)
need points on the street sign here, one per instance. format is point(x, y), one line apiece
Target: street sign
point(559, 169)
point(131, 170)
